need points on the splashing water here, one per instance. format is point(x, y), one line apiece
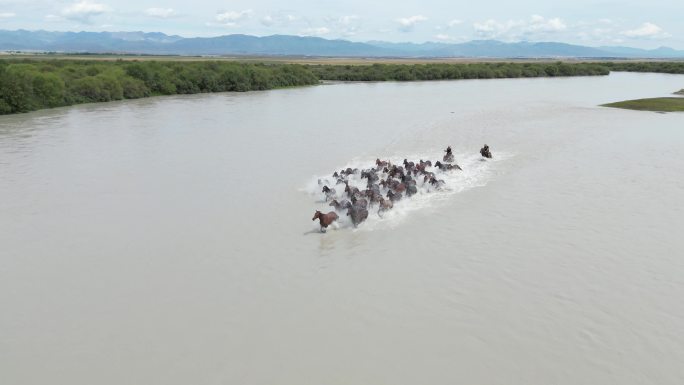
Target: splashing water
point(476, 172)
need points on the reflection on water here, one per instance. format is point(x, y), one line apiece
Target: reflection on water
point(176, 232)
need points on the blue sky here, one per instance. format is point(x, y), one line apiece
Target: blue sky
point(646, 24)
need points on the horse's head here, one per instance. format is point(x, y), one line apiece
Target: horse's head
point(316, 215)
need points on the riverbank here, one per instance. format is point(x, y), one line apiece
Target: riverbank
point(34, 84)
point(670, 104)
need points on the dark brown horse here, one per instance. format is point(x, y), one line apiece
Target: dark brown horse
point(358, 214)
point(362, 202)
point(351, 191)
point(447, 167)
point(325, 219)
point(484, 151)
point(329, 192)
point(438, 183)
point(340, 205)
point(393, 197)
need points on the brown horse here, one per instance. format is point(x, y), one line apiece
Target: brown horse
point(384, 205)
point(325, 219)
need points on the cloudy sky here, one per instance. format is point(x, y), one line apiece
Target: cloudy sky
point(647, 24)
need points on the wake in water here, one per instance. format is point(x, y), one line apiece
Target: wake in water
point(366, 196)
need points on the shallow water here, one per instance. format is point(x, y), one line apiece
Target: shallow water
point(169, 240)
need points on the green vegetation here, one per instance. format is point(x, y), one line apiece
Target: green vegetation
point(439, 71)
point(655, 66)
point(654, 104)
point(31, 84)
point(27, 85)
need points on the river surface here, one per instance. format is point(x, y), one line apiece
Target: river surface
point(170, 241)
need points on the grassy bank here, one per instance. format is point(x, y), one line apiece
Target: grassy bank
point(32, 84)
point(674, 104)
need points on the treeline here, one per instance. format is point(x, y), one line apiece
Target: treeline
point(658, 67)
point(403, 72)
point(27, 85)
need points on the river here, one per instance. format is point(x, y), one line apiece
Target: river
point(169, 240)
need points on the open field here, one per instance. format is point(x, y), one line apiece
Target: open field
point(315, 60)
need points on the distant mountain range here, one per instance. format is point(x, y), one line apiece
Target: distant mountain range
point(157, 43)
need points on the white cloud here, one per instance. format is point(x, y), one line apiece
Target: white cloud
point(539, 23)
point(268, 20)
point(7, 15)
point(346, 20)
point(281, 20)
point(347, 25)
point(406, 24)
point(442, 36)
point(233, 18)
point(319, 31)
point(454, 23)
point(516, 29)
point(492, 28)
point(84, 10)
point(646, 31)
point(162, 13)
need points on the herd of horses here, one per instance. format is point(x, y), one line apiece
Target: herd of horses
point(386, 184)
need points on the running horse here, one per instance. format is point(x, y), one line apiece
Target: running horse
point(449, 156)
point(325, 219)
point(484, 151)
